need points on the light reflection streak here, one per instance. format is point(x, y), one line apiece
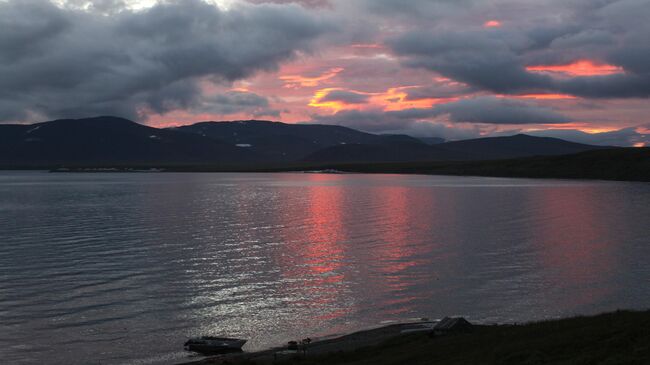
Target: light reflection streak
point(313, 271)
point(401, 257)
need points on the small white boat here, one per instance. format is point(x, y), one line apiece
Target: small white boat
point(214, 345)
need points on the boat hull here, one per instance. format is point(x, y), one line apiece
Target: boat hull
point(213, 350)
point(213, 345)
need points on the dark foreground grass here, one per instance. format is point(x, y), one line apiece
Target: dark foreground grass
point(614, 338)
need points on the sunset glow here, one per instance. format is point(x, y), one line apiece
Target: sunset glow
point(334, 105)
point(492, 24)
point(393, 99)
point(579, 68)
point(396, 99)
point(584, 127)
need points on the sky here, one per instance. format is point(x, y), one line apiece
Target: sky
point(455, 69)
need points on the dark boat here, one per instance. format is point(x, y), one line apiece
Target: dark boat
point(214, 345)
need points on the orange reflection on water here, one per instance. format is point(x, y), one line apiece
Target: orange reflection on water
point(323, 253)
point(400, 251)
point(314, 267)
point(388, 261)
point(576, 246)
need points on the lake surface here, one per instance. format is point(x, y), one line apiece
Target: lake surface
point(122, 268)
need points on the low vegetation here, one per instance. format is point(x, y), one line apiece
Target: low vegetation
point(614, 338)
point(623, 164)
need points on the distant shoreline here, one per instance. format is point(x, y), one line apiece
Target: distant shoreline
point(613, 338)
point(623, 164)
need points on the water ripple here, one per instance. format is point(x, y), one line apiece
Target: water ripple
point(121, 268)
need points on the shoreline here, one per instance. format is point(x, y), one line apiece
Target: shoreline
point(344, 171)
point(624, 164)
point(335, 343)
point(619, 337)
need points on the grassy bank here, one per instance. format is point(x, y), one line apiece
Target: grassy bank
point(624, 164)
point(618, 338)
point(614, 338)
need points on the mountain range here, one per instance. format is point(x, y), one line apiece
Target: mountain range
point(105, 141)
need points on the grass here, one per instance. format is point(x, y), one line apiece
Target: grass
point(615, 338)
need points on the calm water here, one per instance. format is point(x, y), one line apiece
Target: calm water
point(122, 268)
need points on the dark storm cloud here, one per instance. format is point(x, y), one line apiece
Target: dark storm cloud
point(60, 62)
point(392, 123)
point(236, 102)
point(489, 110)
point(374, 121)
point(610, 86)
point(613, 32)
point(416, 10)
point(344, 96)
point(307, 3)
point(103, 6)
point(471, 58)
point(493, 110)
point(437, 91)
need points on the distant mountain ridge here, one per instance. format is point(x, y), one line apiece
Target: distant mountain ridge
point(490, 148)
point(289, 142)
point(105, 141)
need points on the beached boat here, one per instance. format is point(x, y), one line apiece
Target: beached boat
point(214, 345)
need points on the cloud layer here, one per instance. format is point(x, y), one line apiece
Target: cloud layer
point(64, 62)
point(496, 60)
point(427, 67)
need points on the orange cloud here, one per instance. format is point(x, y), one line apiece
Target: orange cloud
point(297, 81)
point(640, 144)
point(492, 24)
point(579, 68)
point(393, 99)
point(334, 105)
point(240, 89)
point(586, 127)
point(396, 99)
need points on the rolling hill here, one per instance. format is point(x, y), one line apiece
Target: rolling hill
point(108, 141)
point(290, 142)
point(492, 148)
point(111, 141)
